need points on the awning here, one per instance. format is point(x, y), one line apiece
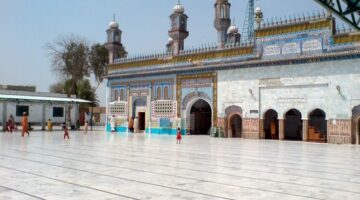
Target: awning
point(44, 99)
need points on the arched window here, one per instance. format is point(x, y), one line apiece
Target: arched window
point(158, 93)
point(116, 96)
point(166, 92)
point(122, 97)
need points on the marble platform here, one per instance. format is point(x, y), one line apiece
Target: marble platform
point(117, 166)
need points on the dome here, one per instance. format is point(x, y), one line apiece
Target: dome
point(233, 29)
point(258, 10)
point(179, 8)
point(170, 40)
point(113, 24)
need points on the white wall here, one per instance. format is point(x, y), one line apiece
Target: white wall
point(35, 113)
point(302, 86)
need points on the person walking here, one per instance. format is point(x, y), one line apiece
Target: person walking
point(66, 133)
point(113, 123)
point(131, 125)
point(25, 124)
point(86, 127)
point(136, 125)
point(49, 126)
point(178, 136)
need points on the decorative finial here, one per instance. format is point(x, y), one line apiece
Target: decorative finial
point(114, 16)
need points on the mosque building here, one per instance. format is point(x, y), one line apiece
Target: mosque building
point(296, 79)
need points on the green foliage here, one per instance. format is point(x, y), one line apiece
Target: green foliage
point(87, 92)
point(98, 58)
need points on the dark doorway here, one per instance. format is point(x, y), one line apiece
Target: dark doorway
point(200, 118)
point(236, 126)
point(293, 125)
point(358, 131)
point(271, 125)
point(317, 126)
point(141, 121)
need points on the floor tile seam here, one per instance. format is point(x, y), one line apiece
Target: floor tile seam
point(211, 172)
point(168, 187)
point(25, 193)
point(235, 148)
point(271, 149)
point(189, 152)
point(249, 157)
point(67, 182)
point(183, 161)
point(183, 177)
point(317, 171)
point(130, 180)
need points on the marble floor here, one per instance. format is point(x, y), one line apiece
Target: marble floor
point(117, 166)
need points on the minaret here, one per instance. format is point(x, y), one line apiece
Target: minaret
point(178, 31)
point(114, 45)
point(233, 36)
point(222, 20)
point(259, 16)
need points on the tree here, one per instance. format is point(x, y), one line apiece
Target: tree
point(87, 92)
point(98, 58)
point(69, 59)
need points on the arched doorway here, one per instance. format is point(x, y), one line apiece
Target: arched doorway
point(236, 126)
point(139, 112)
point(293, 126)
point(271, 125)
point(317, 130)
point(200, 118)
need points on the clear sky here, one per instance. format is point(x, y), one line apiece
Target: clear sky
point(26, 25)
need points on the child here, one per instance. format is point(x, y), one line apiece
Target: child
point(86, 127)
point(66, 133)
point(49, 126)
point(178, 136)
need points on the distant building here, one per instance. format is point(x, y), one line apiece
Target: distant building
point(40, 106)
point(298, 79)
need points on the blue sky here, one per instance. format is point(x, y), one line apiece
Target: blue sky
point(26, 25)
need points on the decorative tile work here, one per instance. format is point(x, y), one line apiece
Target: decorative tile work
point(339, 131)
point(118, 108)
point(279, 30)
point(164, 108)
point(180, 79)
point(250, 128)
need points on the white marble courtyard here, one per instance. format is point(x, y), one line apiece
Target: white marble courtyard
point(109, 166)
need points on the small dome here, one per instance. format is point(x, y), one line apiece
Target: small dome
point(179, 8)
point(113, 24)
point(233, 29)
point(258, 10)
point(170, 40)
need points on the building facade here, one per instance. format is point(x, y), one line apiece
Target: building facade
point(298, 79)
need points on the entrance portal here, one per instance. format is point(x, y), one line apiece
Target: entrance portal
point(236, 126)
point(271, 125)
point(317, 131)
point(141, 121)
point(200, 118)
point(293, 125)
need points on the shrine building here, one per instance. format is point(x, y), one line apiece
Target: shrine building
point(295, 79)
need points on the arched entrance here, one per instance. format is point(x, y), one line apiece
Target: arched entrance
point(271, 125)
point(200, 118)
point(317, 130)
point(293, 126)
point(235, 126)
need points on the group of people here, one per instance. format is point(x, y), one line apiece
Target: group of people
point(11, 126)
